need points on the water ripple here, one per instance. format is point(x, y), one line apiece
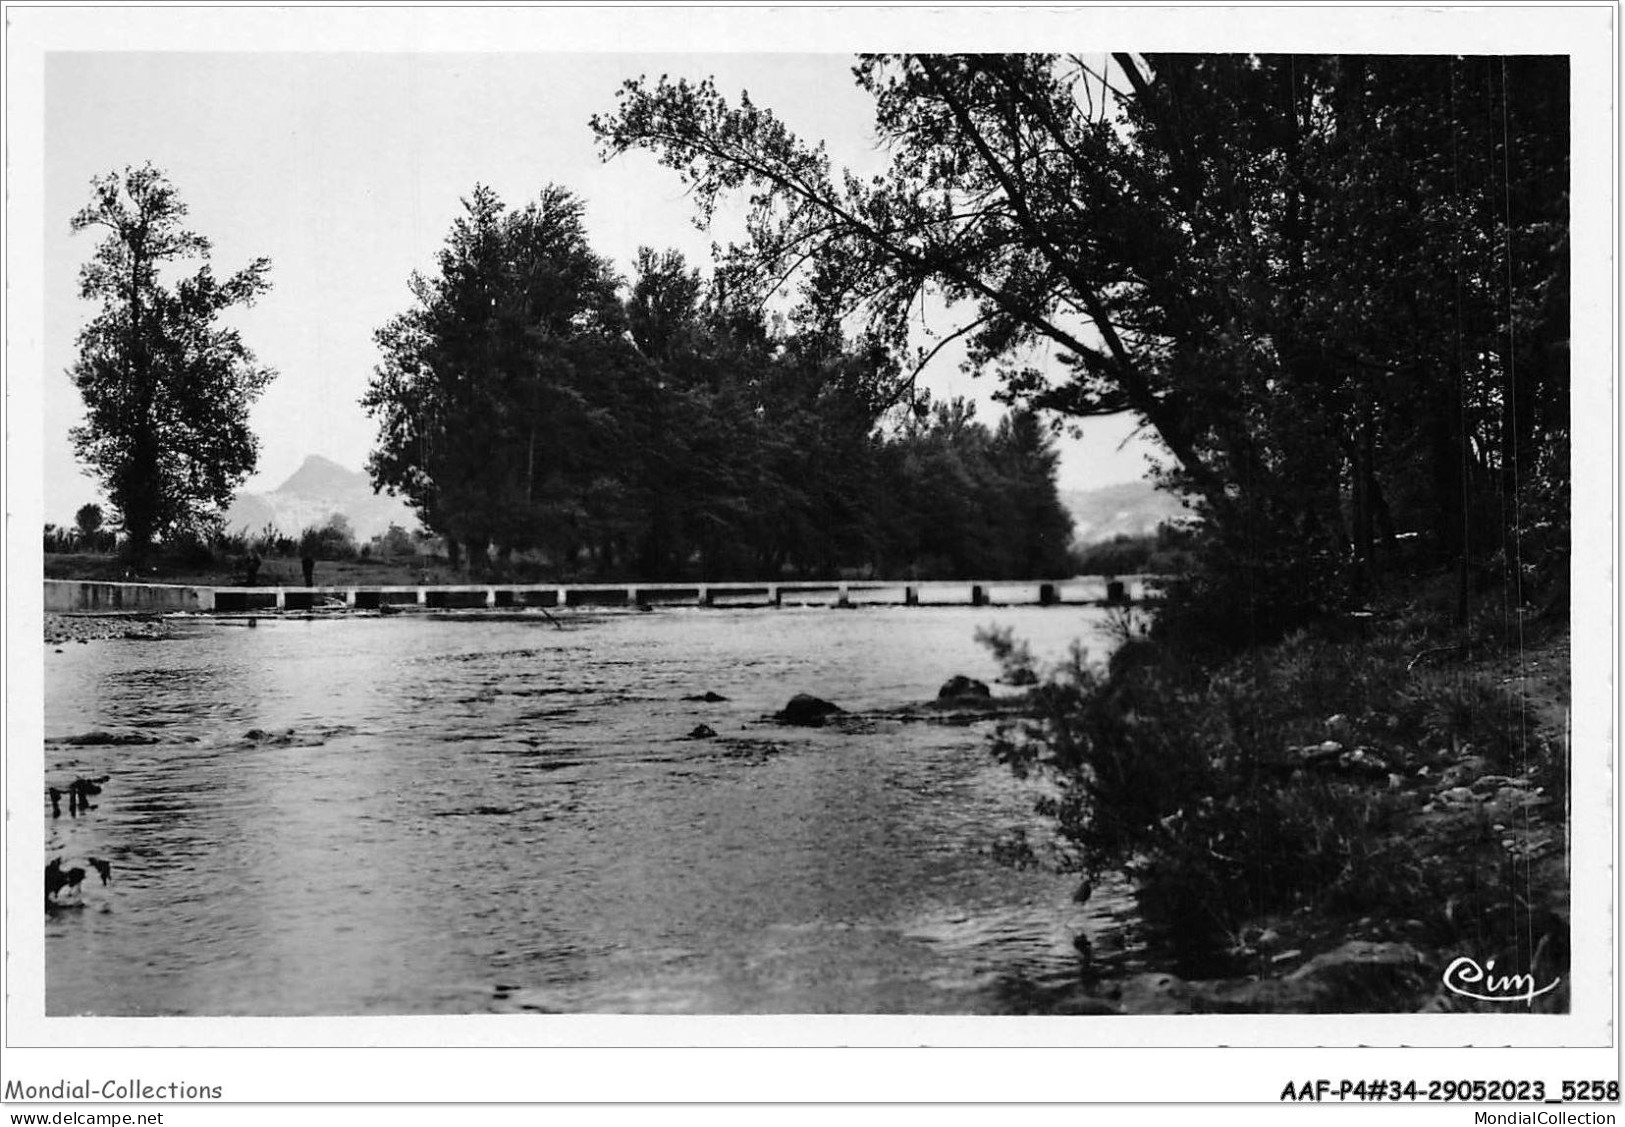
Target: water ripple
point(428, 815)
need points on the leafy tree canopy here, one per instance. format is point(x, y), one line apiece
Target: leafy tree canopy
point(1310, 276)
point(166, 388)
point(523, 407)
point(485, 396)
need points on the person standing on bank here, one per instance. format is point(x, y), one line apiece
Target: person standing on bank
point(308, 562)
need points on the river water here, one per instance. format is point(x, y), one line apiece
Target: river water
point(423, 814)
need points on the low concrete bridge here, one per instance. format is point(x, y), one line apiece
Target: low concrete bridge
point(79, 596)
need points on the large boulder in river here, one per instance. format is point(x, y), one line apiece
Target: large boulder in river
point(807, 711)
point(960, 687)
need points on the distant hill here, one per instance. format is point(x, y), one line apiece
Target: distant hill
point(318, 489)
point(1133, 508)
point(321, 487)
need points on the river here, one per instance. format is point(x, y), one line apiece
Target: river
point(425, 814)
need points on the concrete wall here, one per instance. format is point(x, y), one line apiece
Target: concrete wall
point(76, 595)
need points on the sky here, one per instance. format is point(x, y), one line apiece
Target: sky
point(346, 169)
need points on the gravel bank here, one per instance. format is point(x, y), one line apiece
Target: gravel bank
point(61, 629)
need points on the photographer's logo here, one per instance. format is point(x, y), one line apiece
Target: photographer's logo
point(1466, 977)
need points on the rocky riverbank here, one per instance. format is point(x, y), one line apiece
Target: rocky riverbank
point(1473, 856)
point(63, 629)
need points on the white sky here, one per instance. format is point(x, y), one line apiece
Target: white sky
point(346, 170)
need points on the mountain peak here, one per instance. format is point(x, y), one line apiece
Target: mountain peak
point(319, 476)
point(318, 489)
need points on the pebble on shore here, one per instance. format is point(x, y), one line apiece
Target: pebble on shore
point(63, 628)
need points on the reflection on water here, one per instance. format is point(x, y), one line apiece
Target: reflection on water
point(419, 815)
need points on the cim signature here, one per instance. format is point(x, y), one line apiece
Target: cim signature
point(1464, 976)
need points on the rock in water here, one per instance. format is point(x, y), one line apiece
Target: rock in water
point(110, 739)
point(807, 711)
point(1157, 994)
point(959, 686)
point(56, 879)
point(703, 732)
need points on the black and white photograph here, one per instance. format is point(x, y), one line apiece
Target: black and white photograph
point(626, 527)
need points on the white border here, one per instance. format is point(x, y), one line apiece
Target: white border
point(581, 1048)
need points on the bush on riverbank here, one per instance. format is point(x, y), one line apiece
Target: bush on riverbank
point(1164, 552)
point(1324, 780)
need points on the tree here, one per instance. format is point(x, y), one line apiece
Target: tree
point(334, 539)
point(493, 397)
point(1309, 276)
point(702, 473)
point(166, 389)
point(1040, 528)
point(89, 532)
point(88, 522)
point(1002, 193)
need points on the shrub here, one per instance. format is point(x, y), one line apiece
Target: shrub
point(1444, 708)
point(1179, 774)
point(393, 542)
point(58, 539)
point(1015, 657)
point(229, 546)
point(1168, 551)
point(332, 541)
point(270, 541)
point(88, 522)
point(189, 551)
point(1121, 555)
point(1260, 572)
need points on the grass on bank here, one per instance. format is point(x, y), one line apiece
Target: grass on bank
point(275, 570)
